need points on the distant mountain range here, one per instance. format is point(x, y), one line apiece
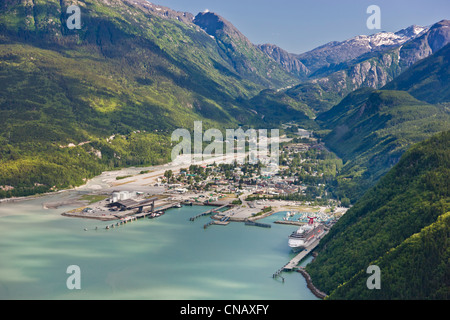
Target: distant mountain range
point(323, 58)
point(332, 71)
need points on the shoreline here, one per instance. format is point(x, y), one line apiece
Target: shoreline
point(315, 291)
point(107, 179)
point(34, 196)
point(309, 283)
point(154, 171)
point(319, 294)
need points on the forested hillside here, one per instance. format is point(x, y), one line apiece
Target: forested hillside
point(427, 80)
point(401, 225)
point(129, 73)
point(371, 129)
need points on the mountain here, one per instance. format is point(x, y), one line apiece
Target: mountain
point(275, 107)
point(321, 60)
point(247, 59)
point(427, 80)
point(336, 53)
point(371, 129)
point(426, 44)
point(338, 68)
point(163, 12)
point(402, 225)
point(288, 61)
point(74, 103)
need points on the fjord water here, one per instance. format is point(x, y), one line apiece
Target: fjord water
point(165, 258)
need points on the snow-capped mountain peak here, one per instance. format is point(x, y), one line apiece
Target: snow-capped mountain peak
point(386, 38)
point(337, 52)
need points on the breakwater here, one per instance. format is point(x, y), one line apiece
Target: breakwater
point(319, 294)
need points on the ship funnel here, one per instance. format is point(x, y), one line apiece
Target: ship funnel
point(311, 220)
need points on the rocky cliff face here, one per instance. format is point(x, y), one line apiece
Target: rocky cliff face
point(374, 72)
point(218, 26)
point(335, 53)
point(162, 11)
point(428, 43)
point(377, 69)
point(288, 61)
point(246, 57)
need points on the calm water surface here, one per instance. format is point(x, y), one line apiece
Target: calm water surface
point(165, 258)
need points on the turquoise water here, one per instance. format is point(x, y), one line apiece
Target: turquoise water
point(164, 258)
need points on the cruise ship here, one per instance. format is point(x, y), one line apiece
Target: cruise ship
point(305, 235)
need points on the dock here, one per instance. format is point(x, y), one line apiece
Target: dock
point(293, 264)
point(257, 224)
point(215, 210)
point(137, 216)
point(168, 206)
point(218, 223)
point(223, 222)
point(292, 223)
point(299, 257)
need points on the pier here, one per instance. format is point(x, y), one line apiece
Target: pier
point(137, 216)
point(215, 210)
point(224, 221)
point(257, 224)
point(299, 257)
point(219, 223)
point(168, 206)
point(293, 264)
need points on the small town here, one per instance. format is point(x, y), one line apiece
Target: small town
point(238, 192)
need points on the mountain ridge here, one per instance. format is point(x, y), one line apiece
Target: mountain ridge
point(124, 71)
point(401, 225)
point(246, 57)
point(370, 129)
point(327, 84)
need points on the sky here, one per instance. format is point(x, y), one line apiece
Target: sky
point(301, 25)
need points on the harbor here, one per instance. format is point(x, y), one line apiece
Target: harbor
point(293, 263)
point(155, 247)
point(222, 213)
point(210, 216)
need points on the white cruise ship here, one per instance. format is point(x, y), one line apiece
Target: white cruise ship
point(305, 235)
